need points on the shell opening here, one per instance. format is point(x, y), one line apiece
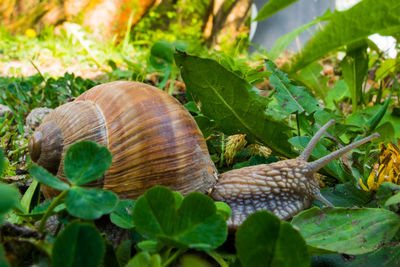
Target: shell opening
point(46, 145)
point(35, 146)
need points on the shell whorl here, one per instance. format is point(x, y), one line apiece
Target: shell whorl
point(153, 140)
point(151, 136)
point(61, 128)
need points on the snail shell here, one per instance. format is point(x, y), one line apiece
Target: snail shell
point(151, 136)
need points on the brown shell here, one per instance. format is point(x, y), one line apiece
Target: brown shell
point(151, 136)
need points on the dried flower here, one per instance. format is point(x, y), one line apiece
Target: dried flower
point(256, 149)
point(388, 169)
point(233, 145)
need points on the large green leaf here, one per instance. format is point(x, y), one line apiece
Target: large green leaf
point(232, 103)
point(78, 245)
point(359, 22)
point(86, 161)
point(90, 203)
point(264, 240)
point(292, 98)
point(273, 6)
point(345, 230)
point(195, 223)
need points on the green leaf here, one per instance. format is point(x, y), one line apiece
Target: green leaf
point(376, 119)
point(194, 224)
point(387, 66)
point(385, 191)
point(47, 178)
point(264, 240)
point(233, 104)
point(205, 124)
point(345, 195)
point(86, 161)
point(109, 258)
point(90, 203)
point(345, 230)
point(192, 107)
point(145, 259)
point(312, 79)
point(357, 23)
point(122, 214)
point(38, 212)
point(163, 51)
point(3, 262)
point(337, 94)
point(223, 209)
point(26, 200)
point(78, 245)
point(355, 69)
point(393, 200)
point(123, 252)
point(2, 161)
point(271, 7)
point(8, 199)
point(150, 246)
point(291, 98)
point(387, 256)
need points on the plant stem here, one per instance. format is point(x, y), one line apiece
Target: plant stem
point(173, 257)
point(21, 148)
point(221, 163)
point(52, 206)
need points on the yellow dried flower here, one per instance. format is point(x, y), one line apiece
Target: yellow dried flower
point(31, 33)
point(256, 149)
point(233, 145)
point(388, 169)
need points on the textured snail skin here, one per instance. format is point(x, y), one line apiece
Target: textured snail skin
point(284, 188)
point(151, 136)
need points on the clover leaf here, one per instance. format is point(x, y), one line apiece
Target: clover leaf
point(195, 223)
point(84, 162)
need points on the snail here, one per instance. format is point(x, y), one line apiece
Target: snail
point(155, 141)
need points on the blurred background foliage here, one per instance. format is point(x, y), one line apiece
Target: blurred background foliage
point(203, 21)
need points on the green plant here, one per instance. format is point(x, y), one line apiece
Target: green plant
point(360, 90)
point(84, 162)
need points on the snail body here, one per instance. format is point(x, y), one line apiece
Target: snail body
point(155, 141)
